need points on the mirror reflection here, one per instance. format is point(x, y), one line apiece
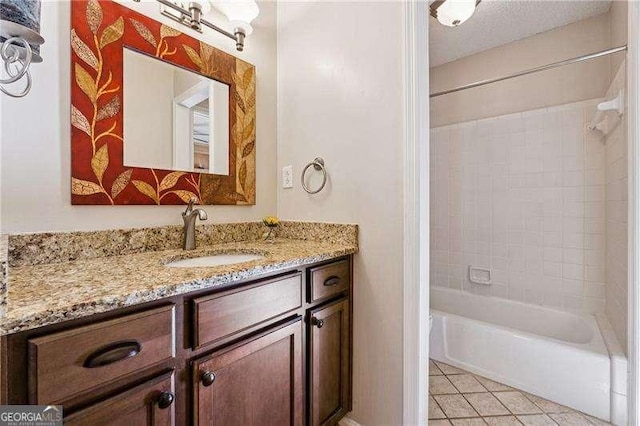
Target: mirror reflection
point(175, 119)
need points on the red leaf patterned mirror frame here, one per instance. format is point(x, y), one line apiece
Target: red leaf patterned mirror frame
point(100, 30)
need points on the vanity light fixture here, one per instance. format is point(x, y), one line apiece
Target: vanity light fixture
point(452, 13)
point(240, 13)
point(20, 42)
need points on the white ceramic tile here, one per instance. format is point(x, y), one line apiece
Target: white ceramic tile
point(537, 420)
point(572, 271)
point(527, 195)
point(467, 382)
point(572, 178)
point(440, 385)
point(571, 255)
point(475, 421)
point(570, 419)
point(455, 406)
point(552, 269)
point(486, 404)
point(552, 239)
point(502, 421)
point(553, 254)
point(434, 410)
point(517, 403)
point(573, 287)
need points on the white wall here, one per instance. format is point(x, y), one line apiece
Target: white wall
point(619, 29)
point(524, 196)
point(35, 134)
point(340, 95)
point(572, 83)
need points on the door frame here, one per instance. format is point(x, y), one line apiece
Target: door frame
point(416, 224)
point(416, 214)
point(633, 138)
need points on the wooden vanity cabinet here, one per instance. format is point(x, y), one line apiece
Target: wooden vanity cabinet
point(275, 350)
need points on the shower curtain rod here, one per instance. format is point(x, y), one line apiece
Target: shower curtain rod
point(532, 70)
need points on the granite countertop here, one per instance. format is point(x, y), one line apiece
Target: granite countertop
point(45, 294)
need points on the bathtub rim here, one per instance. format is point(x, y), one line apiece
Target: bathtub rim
point(586, 347)
point(597, 343)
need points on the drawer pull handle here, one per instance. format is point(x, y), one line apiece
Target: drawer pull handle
point(208, 377)
point(317, 322)
point(331, 281)
point(113, 352)
point(165, 399)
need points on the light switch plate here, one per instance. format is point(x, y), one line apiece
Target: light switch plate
point(287, 177)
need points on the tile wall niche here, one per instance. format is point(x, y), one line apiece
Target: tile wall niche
point(523, 195)
point(616, 214)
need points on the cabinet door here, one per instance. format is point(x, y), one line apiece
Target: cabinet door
point(151, 403)
point(256, 382)
point(329, 363)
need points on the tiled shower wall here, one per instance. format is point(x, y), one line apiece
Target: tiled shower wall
point(616, 235)
point(524, 196)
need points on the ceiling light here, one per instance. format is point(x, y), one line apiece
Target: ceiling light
point(452, 13)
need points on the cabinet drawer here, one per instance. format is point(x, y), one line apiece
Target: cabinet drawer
point(222, 315)
point(328, 280)
point(151, 403)
point(64, 364)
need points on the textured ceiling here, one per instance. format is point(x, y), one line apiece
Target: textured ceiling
point(497, 22)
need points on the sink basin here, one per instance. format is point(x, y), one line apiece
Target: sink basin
point(214, 260)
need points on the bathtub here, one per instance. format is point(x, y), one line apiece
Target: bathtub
point(556, 355)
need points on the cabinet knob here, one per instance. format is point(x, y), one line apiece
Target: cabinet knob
point(317, 322)
point(208, 377)
point(165, 399)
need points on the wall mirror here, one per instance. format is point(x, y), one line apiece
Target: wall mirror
point(157, 117)
point(175, 119)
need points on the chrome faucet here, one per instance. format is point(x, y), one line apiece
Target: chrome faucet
point(189, 217)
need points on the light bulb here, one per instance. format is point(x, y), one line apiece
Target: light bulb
point(240, 13)
point(205, 7)
point(454, 12)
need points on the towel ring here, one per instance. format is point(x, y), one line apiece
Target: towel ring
point(318, 164)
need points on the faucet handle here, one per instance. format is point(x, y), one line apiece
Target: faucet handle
point(190, 206)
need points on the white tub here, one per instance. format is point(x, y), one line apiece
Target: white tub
point(556, 355)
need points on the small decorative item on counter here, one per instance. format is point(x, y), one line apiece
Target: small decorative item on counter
point(272, 223)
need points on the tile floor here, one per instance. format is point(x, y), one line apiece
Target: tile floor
point(457, 397)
